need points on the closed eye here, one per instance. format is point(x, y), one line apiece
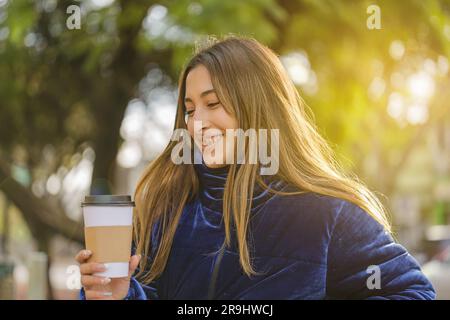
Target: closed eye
point(210, 105)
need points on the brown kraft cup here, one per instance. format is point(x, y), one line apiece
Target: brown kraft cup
point(108, 229)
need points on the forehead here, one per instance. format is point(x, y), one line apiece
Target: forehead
point(198, 80)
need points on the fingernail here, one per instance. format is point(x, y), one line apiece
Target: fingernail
point(108, 294)
point(103, 267)
point(87, 252)
point(106, 280)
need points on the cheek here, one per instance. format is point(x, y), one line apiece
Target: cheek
point(227, 121)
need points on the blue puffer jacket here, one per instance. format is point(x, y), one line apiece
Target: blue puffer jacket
point(309, 246)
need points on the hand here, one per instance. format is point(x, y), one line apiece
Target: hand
point(102, 288)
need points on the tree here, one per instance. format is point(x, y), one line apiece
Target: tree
point(70, 89)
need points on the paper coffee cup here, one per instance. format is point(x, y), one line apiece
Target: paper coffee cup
point(108, 229)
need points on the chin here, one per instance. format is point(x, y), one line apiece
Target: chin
point(213, 162)
point(210, 164)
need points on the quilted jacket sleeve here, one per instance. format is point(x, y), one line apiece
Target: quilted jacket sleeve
point(364, 262)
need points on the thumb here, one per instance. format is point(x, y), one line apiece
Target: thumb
point(134, 262)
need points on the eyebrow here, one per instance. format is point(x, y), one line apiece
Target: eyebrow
point(204, 93)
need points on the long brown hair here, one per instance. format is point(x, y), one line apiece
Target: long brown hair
point(252, 85)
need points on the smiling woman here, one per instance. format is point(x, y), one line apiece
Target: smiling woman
point(309, 231)
point(203, 105)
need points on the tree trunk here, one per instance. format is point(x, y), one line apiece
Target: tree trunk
point(39, 214)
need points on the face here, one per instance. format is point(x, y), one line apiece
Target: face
point(206, 118)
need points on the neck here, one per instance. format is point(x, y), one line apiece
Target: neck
point(212, 187)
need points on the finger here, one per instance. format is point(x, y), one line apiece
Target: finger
point(98, 295)
point(88, 281)
point(92, 267)
point(134, 262)
point(83, 255)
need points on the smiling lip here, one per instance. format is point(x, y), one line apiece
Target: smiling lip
point(210, 138)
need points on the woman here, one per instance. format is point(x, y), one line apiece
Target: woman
point(227, 229)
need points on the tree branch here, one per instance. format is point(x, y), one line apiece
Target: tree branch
point(38, 213)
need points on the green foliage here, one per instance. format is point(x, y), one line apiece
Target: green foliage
point(58, 85)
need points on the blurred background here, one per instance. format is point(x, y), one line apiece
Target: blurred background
point(88, 94)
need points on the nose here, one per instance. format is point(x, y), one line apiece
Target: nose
point(201, 119)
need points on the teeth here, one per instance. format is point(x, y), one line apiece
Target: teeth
point(211, 140)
